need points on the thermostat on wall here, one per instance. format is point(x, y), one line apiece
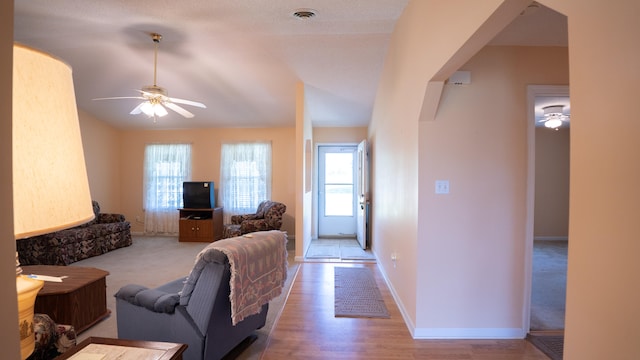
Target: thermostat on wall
point(460, 78)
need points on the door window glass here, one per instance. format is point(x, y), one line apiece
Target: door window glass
point(338, 191)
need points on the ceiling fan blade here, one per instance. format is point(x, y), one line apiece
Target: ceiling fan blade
point(188, 102)
point(178, 109)
point(119, 97)
point(137, 110)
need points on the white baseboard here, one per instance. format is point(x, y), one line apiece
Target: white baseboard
point(449, 333)
point(403, 311)
point(550, 238)
point(469, 333)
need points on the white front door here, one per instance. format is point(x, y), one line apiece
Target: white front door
point(363, 194)
point(337, 198)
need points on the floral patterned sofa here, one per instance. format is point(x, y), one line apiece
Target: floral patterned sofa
point(268, 216)
point(104, 233)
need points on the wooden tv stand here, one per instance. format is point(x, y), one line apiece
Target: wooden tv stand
point(200, 225)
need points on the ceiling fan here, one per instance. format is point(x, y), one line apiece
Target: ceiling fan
point(155, 97)
point(553, 116)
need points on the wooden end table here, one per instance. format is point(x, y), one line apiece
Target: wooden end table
point(79, 300)
point(121, 349)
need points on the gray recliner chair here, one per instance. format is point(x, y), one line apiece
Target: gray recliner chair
point(200, 317)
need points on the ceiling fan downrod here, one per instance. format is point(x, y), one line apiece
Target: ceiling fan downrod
point(156, 40)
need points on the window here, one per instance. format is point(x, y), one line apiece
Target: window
point(166, 166)
point(338, 184)
point(245, 177)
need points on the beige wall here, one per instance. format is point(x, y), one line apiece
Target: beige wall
point(469, 268)
point(602, 313)
point(102, 154)
point(486, 166)
point(552, 184)
point(470, 243)
point(10, 340)
point(602, 306)
point(344, 135)
point(402, 182)
point(206, 144)
point(304, 134)
point(115, 160)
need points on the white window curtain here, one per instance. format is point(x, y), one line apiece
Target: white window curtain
point(166, 167)
point(245, 177)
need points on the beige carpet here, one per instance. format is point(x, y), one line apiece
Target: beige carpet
point(357, 295)
point(153, 261)
point(548, 285)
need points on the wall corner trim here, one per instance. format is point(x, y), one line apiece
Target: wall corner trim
point(431, 101)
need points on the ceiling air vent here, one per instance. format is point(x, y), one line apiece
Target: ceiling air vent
point(304, 13)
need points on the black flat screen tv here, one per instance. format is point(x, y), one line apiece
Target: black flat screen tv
point(198, 195)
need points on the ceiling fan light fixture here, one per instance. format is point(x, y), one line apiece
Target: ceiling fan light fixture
point(554, 116)
point(153, 109)
point(147, 108)
point(553, 123)
point(160, 110)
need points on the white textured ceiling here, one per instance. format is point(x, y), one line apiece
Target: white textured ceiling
point(242, 58)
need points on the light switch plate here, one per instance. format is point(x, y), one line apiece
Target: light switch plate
point(442, 186)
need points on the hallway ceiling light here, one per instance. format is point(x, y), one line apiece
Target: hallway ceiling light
point(553, 116)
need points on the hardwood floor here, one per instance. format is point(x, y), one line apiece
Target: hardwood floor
point(307, 329)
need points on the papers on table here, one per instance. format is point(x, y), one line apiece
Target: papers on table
point(81, 356)
point(47, 278)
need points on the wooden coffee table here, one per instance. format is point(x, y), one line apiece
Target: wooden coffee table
point(111, 349)
point(79, 300)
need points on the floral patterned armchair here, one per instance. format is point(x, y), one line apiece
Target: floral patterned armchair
point(51, 339)
point(267, 217)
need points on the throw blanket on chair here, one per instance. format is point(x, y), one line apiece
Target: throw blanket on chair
point(258, 263)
